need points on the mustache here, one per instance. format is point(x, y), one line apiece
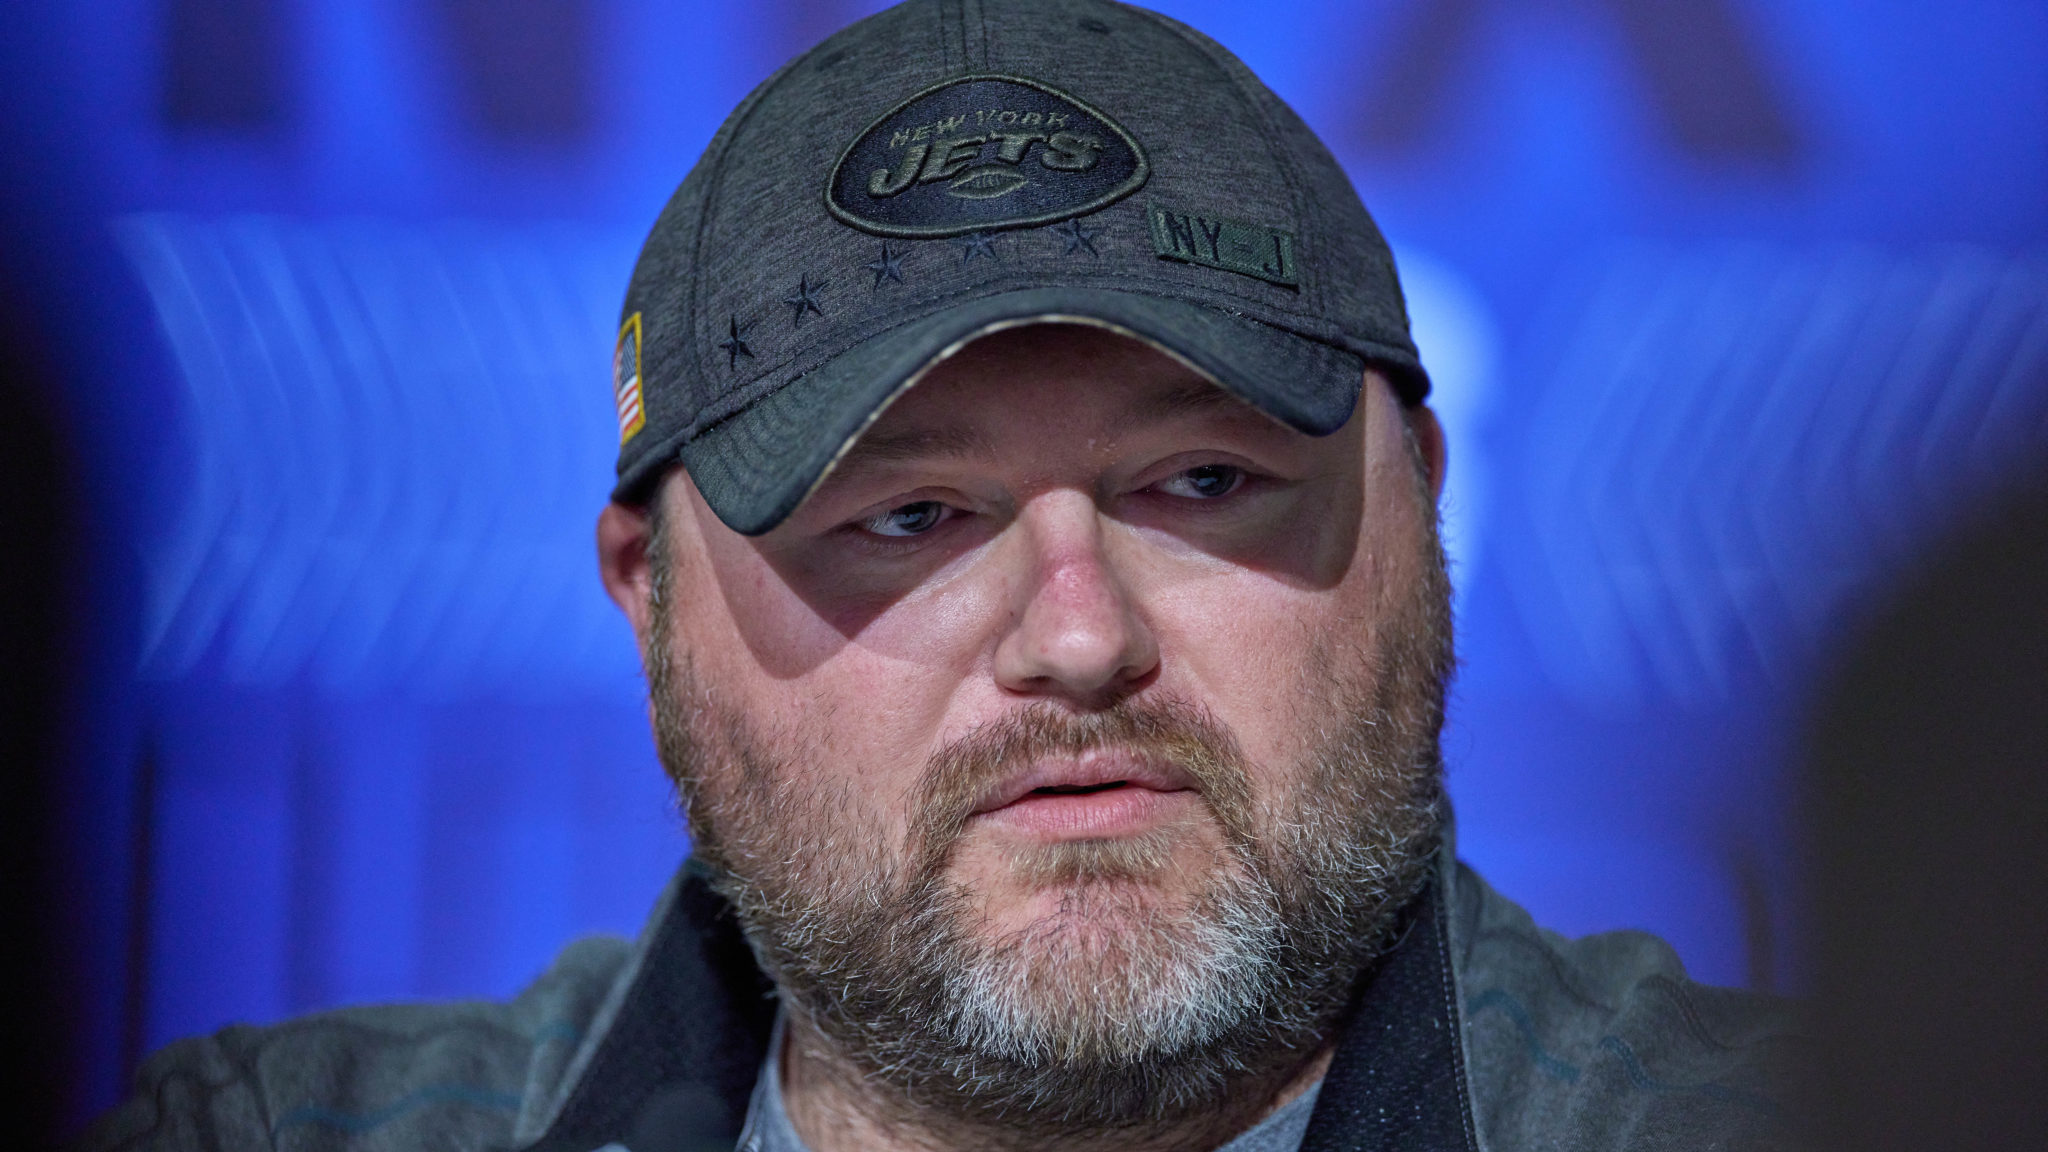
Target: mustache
point(1168, 729)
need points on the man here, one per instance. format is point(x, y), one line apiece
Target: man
point(1026, 506)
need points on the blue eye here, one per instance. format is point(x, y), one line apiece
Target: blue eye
point(1204, 483)
point(908, 520)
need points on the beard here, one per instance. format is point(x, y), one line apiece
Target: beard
point(1151, 995)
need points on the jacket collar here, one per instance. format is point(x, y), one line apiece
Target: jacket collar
point(681, 1037)
point(1398, 1079)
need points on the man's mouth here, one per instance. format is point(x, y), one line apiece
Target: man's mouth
point(1099, 795)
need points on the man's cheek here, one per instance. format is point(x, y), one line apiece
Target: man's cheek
point(859, 741)
point(1247, 655)
point(943, 627)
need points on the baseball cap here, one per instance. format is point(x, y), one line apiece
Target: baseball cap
point(948, 168)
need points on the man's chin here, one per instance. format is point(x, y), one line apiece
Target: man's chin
point(1082, 886)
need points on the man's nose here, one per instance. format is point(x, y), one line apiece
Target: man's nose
point(1078, 633)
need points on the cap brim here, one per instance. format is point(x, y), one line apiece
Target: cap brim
point(754, 468)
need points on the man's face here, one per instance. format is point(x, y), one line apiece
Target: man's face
point(1080, 724)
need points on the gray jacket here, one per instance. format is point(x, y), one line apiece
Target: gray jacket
point(1477, 1030)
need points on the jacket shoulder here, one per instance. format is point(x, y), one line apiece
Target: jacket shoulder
point(1605, 1042)
point(447, 1075)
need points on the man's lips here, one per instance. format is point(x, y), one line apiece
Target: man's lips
point(1098, 796)
point(1091, 773)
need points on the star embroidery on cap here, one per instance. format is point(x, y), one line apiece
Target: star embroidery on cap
point(976, 244)
point(1078, 239)
point(802, 300)
point(735, 345)
point(889, 267)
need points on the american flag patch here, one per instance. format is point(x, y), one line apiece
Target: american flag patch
point(626, 379)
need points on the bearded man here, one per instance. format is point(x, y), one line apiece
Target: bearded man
point(1027, 510)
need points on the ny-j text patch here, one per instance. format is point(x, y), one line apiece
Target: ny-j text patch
point(983, 153)
point(1231, 245)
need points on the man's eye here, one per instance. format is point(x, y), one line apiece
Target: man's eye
point(1204, 483)
point(908, 520)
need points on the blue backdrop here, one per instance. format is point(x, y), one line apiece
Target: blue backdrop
point(1731, 304)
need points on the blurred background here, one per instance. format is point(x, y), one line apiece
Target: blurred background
point(312, 696)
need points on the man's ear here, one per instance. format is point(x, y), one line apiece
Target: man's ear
point(1429, 441)
point(623, 536)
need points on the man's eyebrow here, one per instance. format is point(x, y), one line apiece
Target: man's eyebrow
point(886, 446)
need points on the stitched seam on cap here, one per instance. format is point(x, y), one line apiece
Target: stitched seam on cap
point(972, 13)
point(779, 376)
point(1252, 97)
point(948, 22)
point(772, 378)
point(1211, 295)
point(741, 117)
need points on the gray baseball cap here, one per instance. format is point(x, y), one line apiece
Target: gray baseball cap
point(948, 168)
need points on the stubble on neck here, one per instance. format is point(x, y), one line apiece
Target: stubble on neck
point(836, 1109)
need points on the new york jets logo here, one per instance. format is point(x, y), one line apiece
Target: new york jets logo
point(981, 153)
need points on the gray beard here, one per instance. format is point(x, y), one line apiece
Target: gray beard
point(1067, 1029)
